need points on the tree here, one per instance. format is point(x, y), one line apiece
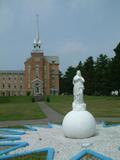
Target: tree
point(68, 77)
point(88, 74)
point(115, 69)
point(102, 80)
point(80, 67)
point(61, 82)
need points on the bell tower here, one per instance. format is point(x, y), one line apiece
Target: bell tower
point(34, 66)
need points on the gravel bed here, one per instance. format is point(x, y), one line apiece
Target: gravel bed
point(106, 142)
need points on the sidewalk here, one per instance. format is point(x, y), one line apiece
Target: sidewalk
point(52, 115)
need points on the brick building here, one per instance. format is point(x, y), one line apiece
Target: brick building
point(40, 76)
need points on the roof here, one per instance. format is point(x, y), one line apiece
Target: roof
point(52, 59)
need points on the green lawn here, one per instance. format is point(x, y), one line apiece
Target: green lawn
point(19, 108)
point(99, 106)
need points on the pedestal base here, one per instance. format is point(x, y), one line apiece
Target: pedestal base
point(79, 124)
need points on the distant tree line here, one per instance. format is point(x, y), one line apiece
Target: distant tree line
point(101, 75)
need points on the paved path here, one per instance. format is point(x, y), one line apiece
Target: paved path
point(52, 116)
point(23, 122)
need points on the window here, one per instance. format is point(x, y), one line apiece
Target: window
point(20, 86)
point(9, 78)
point(52, 71)
point(3, 86)
point(8, 85)
point(14, 86)
point(21, 78)
point(36, 71)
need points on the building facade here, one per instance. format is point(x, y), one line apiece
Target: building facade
point(40, 75)
point(11, 83)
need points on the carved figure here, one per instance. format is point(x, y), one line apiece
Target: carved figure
point(78, 103)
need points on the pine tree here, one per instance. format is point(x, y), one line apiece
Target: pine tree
point(88, 74)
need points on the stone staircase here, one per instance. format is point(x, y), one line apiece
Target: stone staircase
point(38, 98)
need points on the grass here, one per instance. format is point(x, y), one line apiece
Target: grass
point(19, 108)
point(99, 106)
point(33, 156)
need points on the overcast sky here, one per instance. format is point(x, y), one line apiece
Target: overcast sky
point(70, 29)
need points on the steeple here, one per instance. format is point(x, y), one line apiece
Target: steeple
point(37, 42)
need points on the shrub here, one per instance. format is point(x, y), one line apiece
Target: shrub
point(48, 99)
point(33, 99)
point(28, 93)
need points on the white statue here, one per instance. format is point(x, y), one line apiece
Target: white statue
point(78, 103)
point(78, 123)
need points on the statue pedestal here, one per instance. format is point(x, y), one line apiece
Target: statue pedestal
point(79, 124)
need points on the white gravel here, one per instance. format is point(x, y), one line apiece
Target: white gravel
point(106, 142)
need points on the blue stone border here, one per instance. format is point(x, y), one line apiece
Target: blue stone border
point(13, 146)
point(11, 131)
point(84, 152)
point(109, 125)
point(30, 127)
point(49, 125)
point(50, 154)
point(9, 138)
